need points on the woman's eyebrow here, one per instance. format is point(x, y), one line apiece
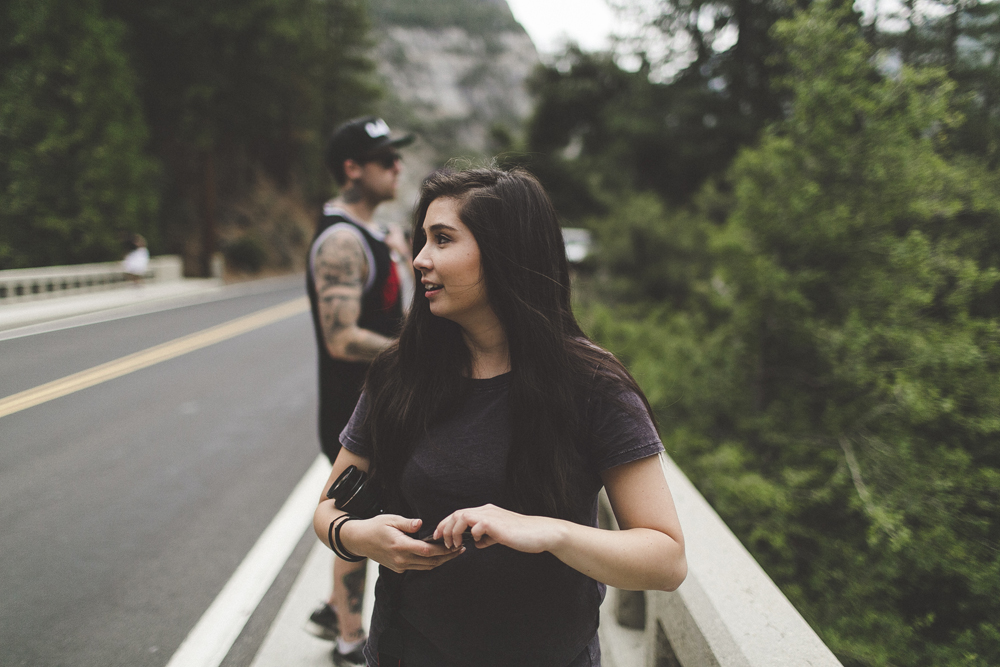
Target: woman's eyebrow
point(440, 226)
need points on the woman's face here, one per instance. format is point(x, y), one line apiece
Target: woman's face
point(450, 268)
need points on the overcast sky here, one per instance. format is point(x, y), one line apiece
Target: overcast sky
point(588, 22)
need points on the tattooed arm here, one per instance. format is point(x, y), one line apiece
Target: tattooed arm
point(339, 272)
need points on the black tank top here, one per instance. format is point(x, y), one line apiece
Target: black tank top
point(340, 381)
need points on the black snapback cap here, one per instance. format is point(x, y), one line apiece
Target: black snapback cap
point(359, 138)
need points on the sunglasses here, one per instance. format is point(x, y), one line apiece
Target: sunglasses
point(386, 160)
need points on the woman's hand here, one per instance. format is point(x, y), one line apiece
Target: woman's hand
point(384, 539)
point(494, 525)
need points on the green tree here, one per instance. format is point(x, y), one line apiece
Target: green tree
point(962, 36)
point(843, 413)
point(722, 59)
point(236, 88)
point(598, 128)
point(864, 265)
point(73, 173)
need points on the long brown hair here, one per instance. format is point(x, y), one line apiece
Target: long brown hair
point(423, 378)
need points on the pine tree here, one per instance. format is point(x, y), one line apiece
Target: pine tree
point(235, 88)
point(836, 399)
point(74, 175)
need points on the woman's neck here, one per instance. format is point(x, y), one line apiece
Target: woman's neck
point(489, 351)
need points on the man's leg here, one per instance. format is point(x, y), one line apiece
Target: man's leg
point(348, 593)
point(347, 596)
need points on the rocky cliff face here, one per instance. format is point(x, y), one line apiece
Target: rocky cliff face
point(453, 85)
point(458, 85)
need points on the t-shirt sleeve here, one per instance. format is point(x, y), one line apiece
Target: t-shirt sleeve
point(352, 438)
point(620, 428)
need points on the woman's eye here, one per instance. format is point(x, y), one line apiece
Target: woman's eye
point(442, 239)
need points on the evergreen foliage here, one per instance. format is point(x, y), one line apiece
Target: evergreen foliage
point(236, 89)
point(595, 121)
point(110, 108)
point(962, 36)
point(722, 59)
point(74, 175)
point(822, 345)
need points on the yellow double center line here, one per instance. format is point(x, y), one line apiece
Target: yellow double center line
point(154, 355)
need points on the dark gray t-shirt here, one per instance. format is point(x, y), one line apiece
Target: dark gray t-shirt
point(497, 606)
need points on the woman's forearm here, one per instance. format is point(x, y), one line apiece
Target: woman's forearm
point(326, 512)
point(635, 559)
point(638, 558)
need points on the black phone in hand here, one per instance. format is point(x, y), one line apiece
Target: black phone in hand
point(466, 538)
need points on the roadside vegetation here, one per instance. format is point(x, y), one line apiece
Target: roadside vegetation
point(804, 275)
point(185, 121)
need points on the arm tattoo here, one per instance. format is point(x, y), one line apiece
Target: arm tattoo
point(340, 271)
point(340, 261)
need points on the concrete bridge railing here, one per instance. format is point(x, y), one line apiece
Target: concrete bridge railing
point(727, 613)
point(17, 285)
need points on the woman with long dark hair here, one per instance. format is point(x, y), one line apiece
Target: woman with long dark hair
point(487, 432)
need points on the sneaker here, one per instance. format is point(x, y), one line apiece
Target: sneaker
point(323, 623)
point(355, 657)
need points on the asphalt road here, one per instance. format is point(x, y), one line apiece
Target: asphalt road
point(125, 507)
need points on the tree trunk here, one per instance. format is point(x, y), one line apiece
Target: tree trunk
point(208, 241)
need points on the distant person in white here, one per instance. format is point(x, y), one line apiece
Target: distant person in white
point(136, 262)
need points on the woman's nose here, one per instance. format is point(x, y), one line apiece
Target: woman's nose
point(421, 261)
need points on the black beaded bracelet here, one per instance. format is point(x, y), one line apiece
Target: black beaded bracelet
point(341, 550)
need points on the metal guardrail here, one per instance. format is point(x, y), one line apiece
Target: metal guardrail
point(727, 613)
point(19, 285)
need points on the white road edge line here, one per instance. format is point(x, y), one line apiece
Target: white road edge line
point(209, 641)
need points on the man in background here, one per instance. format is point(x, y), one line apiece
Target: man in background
point(355, 272)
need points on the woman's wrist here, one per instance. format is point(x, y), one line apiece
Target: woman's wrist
point(348, 534)
point(340, 549)
point(561, 536)
point(332, 530)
